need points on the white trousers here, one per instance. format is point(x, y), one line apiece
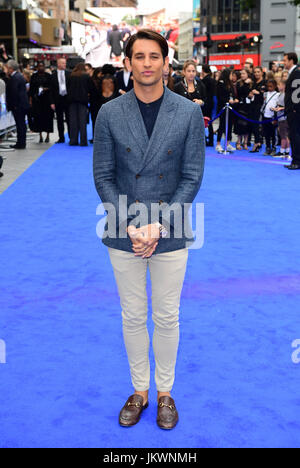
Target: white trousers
point(167, 272)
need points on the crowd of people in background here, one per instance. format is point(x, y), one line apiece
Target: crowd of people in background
point(256, 97)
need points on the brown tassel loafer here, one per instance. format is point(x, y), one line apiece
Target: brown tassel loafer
point(132, 410)
point(167, 415)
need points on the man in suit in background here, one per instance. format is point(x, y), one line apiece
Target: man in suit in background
point(149, 151)
point(60, 85)
point(17, 101)
point(124, 80)
point(292, 107)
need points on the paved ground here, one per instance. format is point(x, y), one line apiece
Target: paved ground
point(18, 161)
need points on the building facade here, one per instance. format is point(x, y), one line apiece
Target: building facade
point(55, 8)
point(280, 29)
point(277, 22)
point(185, 40)
point(297, 48)
point(226, 21)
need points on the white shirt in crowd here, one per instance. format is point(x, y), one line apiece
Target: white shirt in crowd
point(126, 77)
point(280, 103)
point(271, 99)
point(62, 82)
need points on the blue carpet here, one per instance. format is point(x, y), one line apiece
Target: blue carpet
point(66, 375)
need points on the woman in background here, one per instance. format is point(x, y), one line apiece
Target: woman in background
point(217, 75)
point(242, 126)
point(41, 102)
point(108, 90)
point(225, 94)
point(257, 99)
point(189, 87)
point(168, 80)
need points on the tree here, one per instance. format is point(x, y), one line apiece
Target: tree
point(131, 21)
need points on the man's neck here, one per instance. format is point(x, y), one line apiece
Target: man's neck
point(149, 94)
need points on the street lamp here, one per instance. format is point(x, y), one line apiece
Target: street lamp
point(258, 41)
point(240, 41)
point(208, 44)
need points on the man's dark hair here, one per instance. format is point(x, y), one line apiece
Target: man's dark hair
point(151, 36)
point(206, 69)
point(88, 65)
point(292, 56)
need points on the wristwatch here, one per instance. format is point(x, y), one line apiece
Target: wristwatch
point(162, 230)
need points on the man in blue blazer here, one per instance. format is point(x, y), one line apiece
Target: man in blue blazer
point(149, 152)
point(17, 101)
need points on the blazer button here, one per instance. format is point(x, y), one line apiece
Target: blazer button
point(128, 150)
point(138, 176)
point(161, 176)
point(169, 151)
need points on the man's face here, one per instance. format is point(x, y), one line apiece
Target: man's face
point(147, 63)
point(288, 64)
point(61, 64)
point(41, 68)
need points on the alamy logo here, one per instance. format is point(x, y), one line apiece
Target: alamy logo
point(2, 352)
point(296, 354)
point(114, 222)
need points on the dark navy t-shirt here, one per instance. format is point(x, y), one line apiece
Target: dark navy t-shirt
point(150, 113)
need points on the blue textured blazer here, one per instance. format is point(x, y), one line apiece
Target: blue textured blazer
point(165, 170)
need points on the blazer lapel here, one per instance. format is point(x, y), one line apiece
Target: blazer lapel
point(162, 126)
point(135, 121)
